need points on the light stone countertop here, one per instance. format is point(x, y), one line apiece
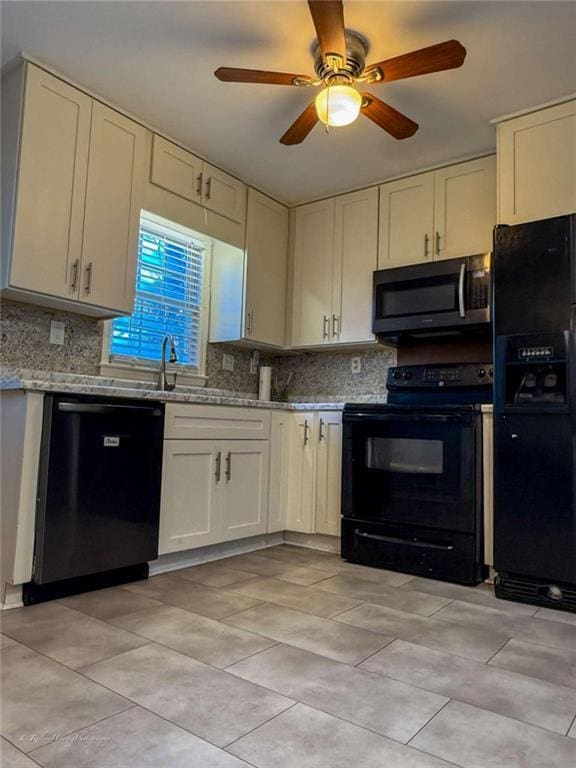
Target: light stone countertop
point(43, 381)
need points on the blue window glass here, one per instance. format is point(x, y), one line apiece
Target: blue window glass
point(168, 298)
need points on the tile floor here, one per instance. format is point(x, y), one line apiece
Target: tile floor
point(288, 658)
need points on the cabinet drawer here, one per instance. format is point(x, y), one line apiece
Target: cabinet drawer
point(213, 422)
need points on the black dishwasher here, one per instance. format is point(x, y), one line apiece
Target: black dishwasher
point(98, 503)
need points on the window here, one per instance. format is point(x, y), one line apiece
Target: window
point(169, 298)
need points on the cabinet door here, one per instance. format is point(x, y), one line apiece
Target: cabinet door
point(464, 208)
point(223, 194)
point(406, 221)
point(244, 490)
point(113, 203)
point(189, 510)
point(302, 480)
point(313, 273)
point(266, 269)
point(176, 170)
point(47, 235)
point(279, 487)
point(329, 473)
point(537, 165)
point(355, 259)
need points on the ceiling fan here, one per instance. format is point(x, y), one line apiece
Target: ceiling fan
point(339, 64)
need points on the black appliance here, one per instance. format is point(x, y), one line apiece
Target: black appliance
point(535, 412)
point(98, 502)
point(412, 474)
point(451, 295)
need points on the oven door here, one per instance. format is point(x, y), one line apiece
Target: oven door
point(420, 297)
point(411, 468)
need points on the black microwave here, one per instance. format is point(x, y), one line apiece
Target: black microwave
point(453, 295)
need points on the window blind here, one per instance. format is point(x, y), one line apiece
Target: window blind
point(168, 298)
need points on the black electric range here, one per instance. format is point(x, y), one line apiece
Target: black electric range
point(412, 474)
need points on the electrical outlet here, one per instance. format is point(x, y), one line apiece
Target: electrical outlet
point(227, 362)
point(356, 365)
point(57, 332)
point(254, 361)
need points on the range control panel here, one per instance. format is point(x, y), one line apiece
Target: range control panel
point(439, 376)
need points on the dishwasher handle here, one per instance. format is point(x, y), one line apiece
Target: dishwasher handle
point(104, 408)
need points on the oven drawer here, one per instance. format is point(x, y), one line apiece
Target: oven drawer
point(444, 555)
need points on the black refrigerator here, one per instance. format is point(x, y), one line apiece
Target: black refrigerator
point(535, 412)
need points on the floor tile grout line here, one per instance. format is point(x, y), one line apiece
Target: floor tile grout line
point(25, 754)
point(570, 727)
point(409, 742)
point(60, 737)
point(295, 703)
point(504, 644)
point(370, 656)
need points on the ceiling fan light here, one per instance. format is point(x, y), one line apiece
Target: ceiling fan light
point(338, 105)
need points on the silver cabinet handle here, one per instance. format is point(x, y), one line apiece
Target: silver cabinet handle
point(208, 187)
point(252, 320)
point(426, 245)
point(248, 323)
point(437, 243)
point(88, 284)
point(218, 466)
point(321, 434)
point(335, 325)
point(326, 328)
point(228, 470)
point(199, 185)
point(306, 432)
point(461, 305)
point(75, 268)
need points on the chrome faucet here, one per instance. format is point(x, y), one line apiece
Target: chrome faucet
point(163, 383)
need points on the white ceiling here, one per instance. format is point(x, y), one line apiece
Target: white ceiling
point(156, 59)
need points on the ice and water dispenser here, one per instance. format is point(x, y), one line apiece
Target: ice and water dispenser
point(536, 371)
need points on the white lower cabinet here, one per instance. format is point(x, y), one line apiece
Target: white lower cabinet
point(212, 491)
point(189, 509)
point(314, 473)
point(329, 473)
point(243, 488)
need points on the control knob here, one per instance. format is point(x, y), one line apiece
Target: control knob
point(407, 375)
point(396, 375)
point(481, 373)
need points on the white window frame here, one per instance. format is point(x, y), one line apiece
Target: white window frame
point(114, 367)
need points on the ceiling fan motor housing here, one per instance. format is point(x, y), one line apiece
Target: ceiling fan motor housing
point(348, 71)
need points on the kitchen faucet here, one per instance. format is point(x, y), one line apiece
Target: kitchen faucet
point(163, 383)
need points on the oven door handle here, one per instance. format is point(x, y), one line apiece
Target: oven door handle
point(435, 418)
point(408, 542)
point(461, 278)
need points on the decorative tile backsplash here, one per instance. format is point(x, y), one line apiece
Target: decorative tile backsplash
point(327, 376)
point(24, 343)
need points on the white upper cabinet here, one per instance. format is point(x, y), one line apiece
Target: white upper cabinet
point(72, 193)
point(176, 170)
point(313, 273)
point(355, 259)
point(442, 214)
point(335, 254)
point(182, 173)
point(47, 191)
point(406, 221)
point(223, 193)
point(266, 270)
point(537, 165)
point(112, 219)
point(464, 208)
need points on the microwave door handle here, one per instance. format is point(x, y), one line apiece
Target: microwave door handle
point(461, 279)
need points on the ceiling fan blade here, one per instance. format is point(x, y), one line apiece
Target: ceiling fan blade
point(435, 58)
point(301, 127)
point(328, 18)
point(394, 122)
point(235, 75)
